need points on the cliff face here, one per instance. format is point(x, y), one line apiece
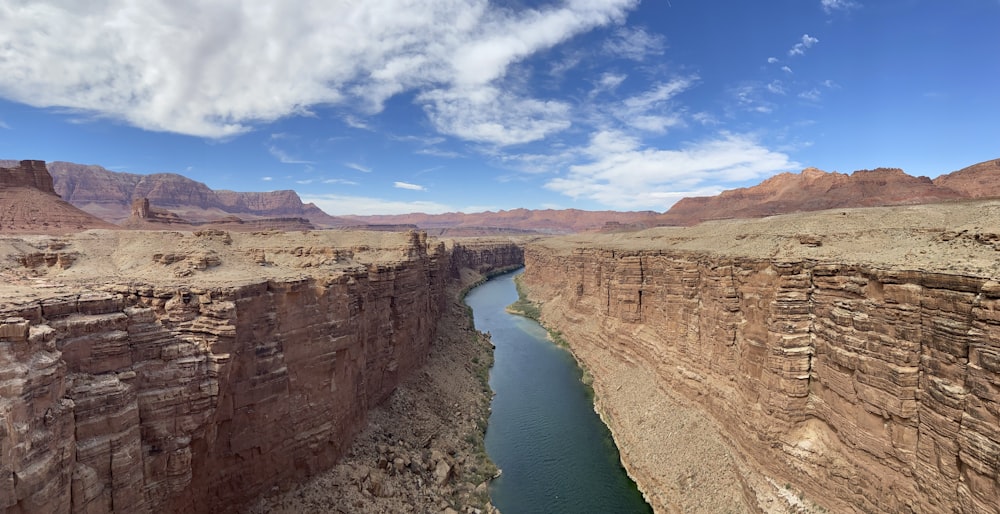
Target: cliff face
point(871, 388)
point(154, 398)
point(811, 190)
point(29, 204)
point(110, 194)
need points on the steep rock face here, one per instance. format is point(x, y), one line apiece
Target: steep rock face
point(142, 398)
point(977, 181)
point(109, 195)
point(811, 190)
point(28, 203)
point(871, 389)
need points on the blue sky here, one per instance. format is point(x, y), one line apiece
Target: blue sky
point(466, 105)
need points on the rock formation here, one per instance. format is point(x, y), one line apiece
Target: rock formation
point(29, 204)
point(863, 371)
point(977, 181)
point(137, 381)
point(109, 195)
point(145, 217)
point(810, 190)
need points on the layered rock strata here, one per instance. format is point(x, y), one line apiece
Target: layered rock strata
point(831, 366)
point(154, 392)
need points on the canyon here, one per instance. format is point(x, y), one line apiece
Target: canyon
point(846, 360)
point(170, 371)
point(841, 360)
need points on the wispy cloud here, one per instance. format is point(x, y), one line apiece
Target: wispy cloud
point(407, 185)
point(830, 6)
point(436, 152)
point(812, 95)
point(772, 60)
point(267, 179)
point(283, 157)
point(635, 44)
point(776, 87)
point(235, 64)
point(340, 181)
point(358, 167)
point(355, 122)
point(4, 125)
point(786, 69)
point(652, 110)
point(490, 115)
point(803, 45)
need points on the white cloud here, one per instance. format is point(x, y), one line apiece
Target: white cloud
point(607, 83)
point(838, 5)
point(623, 174)
point(358, 167)
point(786, 69)
point(801, 47)
point(4, 125)
point(812, 95)
point(215, 69)
point(651, 111)
point(776, 87)
point(437, 152)
point(304, 182)
point(487, 114)
point(342, 205)
point(283, 157)
point(340, 181)
point(267, 179)
point(355, 122)
point(772, 60)
point(407, 185)
point(635, 44)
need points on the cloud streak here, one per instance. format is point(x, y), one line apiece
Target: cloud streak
point(409, 186)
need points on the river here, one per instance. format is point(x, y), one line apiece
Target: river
point(555, 453)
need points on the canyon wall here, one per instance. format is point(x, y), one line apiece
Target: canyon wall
point(139, 397)
point(870, 388)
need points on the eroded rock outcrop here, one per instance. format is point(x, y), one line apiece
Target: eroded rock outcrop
point(153, 396)
point(29, 204)
point(870, 386)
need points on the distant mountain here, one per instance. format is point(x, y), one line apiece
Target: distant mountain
point(109, 195)
point(977, 181)
point(548, 221)
point(29, 204)
point(814, 189)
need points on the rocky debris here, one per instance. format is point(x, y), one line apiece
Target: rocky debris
point(861, 373)
point(127, 389)
point(417, 454)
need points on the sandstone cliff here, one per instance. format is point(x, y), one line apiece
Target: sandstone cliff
point(810, 190)
point(977, 181)
point(168, 371)
point(29, 204)
point(109, 195)
point(853, 356)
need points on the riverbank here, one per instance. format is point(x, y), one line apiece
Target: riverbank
point(422, 450)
